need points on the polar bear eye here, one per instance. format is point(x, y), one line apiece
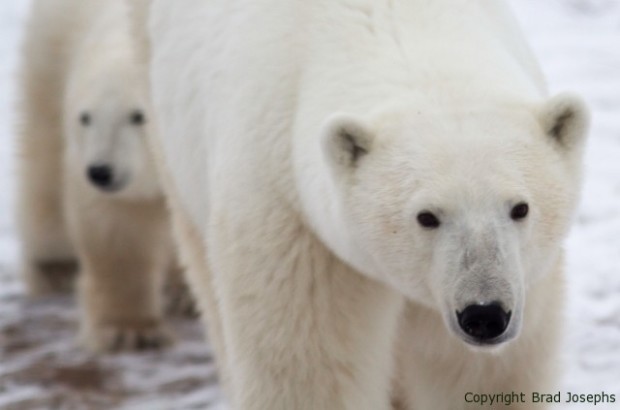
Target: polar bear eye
point(85, 119)
point(428, 220)
point(137, 118)
point(519, 211)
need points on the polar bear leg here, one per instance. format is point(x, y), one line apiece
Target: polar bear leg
point(48, 260)
point(193, 258)
point(302, 330)
point(179, 299)
point(123, 251)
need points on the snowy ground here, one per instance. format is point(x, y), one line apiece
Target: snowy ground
point(578, 42)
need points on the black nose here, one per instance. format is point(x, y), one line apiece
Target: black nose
point(101, 175)
point(484, 322)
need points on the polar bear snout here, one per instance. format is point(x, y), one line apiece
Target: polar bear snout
point(100, 175)
point(484, 323)
point(103, 177)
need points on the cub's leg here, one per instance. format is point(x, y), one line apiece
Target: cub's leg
point(48, 260)
point(123, 249)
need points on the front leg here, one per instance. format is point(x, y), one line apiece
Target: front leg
point(48, 261)
point(302, 330)
point(120, 309)
point(123, 251)
point(179, 300)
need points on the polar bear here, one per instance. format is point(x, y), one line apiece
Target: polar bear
point(372, 196)
point(89, 190)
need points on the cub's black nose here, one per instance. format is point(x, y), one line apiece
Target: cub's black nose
point(101, 175)
point(484, 322)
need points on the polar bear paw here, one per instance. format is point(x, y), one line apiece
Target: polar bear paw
point(180, 301)
point(51, 277)
point(126, 337)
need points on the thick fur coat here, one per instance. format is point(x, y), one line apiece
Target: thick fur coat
point(351, 177)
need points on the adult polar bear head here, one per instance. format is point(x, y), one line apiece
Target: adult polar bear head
point(461, 210)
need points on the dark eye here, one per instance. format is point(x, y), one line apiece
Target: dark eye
point(428, 220)
point(137, 118)
point(519, 211)
point(85, 119)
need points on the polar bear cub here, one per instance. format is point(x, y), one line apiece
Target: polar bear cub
point(375, 194)
point(89, 194)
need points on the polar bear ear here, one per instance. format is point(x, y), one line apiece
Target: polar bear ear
point(565, 119)
point(346, 140)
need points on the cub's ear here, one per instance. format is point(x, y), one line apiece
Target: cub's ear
point(565, 119)
point(346, 140)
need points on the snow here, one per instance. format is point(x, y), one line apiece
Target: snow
point(41, 367)
point(578, 43)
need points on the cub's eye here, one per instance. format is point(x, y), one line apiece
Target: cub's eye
point(428, 220)
point(519, 211)
point(85, 119)
point(137, 118)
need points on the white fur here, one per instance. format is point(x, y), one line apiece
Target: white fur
point(301, 139)
point(103, 80)
point(79, 60)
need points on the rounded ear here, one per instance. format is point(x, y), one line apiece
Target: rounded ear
point(565, 120)
point(346, 139)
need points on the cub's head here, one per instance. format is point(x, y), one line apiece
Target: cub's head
point(461, 210)
point(107, 131)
